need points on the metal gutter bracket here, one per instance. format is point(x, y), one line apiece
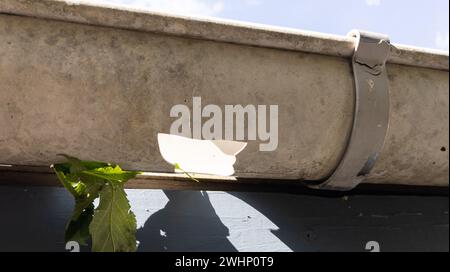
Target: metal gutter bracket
point(371, 115)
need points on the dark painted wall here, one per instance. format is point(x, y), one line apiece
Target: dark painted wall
point(33, 219)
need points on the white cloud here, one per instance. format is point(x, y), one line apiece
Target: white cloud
point(184, 7)
point(442, 41)
point(373, 2)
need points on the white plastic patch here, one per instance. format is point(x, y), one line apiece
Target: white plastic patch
point(214, 157)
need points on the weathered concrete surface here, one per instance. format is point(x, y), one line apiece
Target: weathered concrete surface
point(89, 12)
point(104, 93)
point(416, 147)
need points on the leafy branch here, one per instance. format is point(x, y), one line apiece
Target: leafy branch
point(112, 225)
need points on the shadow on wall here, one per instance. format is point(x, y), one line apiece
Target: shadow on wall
point(191, 221)
point(188, 222)
point(314, 223)
point(33, 219)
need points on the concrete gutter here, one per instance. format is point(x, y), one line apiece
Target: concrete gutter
point(87, 12)
point(99, 82)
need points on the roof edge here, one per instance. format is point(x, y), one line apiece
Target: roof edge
point(114, 16)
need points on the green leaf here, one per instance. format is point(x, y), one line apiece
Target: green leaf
point(113, 227)
point(76, 165)
point(86, 181)
point(111, 173)
point(66, 179)
point(90, 193)
point(78, 229)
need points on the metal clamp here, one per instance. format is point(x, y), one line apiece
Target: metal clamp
point(371, 115)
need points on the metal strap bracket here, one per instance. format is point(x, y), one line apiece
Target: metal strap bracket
point(371, 114)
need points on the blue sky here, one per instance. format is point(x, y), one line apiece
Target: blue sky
point(423, 23)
